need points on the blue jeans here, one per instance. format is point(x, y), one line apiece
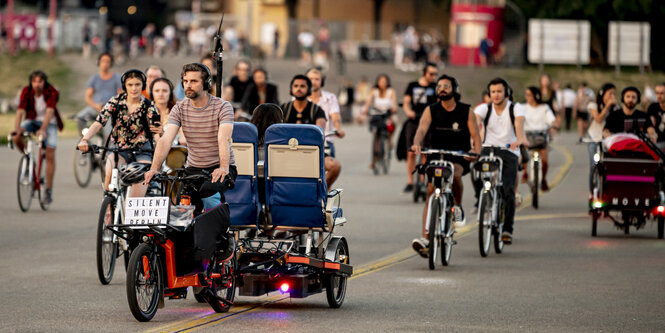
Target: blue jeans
point(32, 126)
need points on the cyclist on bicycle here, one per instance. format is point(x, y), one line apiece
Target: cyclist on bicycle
point(451, 126)
point(503, 126)
point(99, 89)
point(131, 116)
point(207, 123)
point(539, 118)
point(38, 102)
point(617, 121)
point(303, 111)
point(418, 95)
point(328, 102)
point(381, 106)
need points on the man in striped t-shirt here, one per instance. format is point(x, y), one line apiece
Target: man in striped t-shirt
point(207, 123)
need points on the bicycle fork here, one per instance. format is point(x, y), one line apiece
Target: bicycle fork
point(435, 196)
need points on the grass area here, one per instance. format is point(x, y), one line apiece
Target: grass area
point(14, 71)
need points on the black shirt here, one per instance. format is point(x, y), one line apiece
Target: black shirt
point(421, 96)
point(658, 113)
point(239, 88)
point(291, 114)
point(618, 122)
point(252, 98)
point(449, 129)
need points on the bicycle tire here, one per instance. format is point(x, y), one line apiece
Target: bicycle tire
point(336, 285)
point(83, 168)
point(661, 227)
point(42, 184)
point(594, 223)
point(25, 186)
point(106, 250)
point(223, 288)
point(147, 288)
point(386, 153)
point(381, 158)
point(536, 184)
point(434, 220)
point(497, 230)
point(447, 237)
point(485, 222)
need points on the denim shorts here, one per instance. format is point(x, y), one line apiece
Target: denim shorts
point(33, 126)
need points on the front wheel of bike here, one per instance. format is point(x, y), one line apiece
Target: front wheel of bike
point(434, 239)
point(42, 185)
point(107, 248)
point(25, 185)
point(386, 154)
point(497, 230)
point(83, 168)
point(536, 184)
point(485, 223)
point(447, 237)
point(144, 281)
point(223, 287)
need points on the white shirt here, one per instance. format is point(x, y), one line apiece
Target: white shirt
point(595, 130)
point(569, 97)
point(499, 131)
point(40, 109)
point(328, 102)
point(538, 118)
point(306, 39)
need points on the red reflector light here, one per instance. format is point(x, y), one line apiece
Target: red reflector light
point(660, 209)
point(284, 288)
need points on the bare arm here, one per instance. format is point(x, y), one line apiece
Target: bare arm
point(337, 123)
point(224, 143)
point(88, 99)
point(18, 119)
point(92, 130)
point(161, 151)
point(321, 122)
point(423, 127)
point(652, 134)
point(474, 132)
point(406, 105)
point(519, 132)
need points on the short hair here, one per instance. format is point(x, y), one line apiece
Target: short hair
point(301, 77)
point(427, 65)
point(196, 67)
point(243, 61)
point(155, 67)
point(108, 54)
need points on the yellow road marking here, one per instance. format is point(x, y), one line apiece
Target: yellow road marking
point(189, 325)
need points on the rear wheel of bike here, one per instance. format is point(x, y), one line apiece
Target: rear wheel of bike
point(106, 247)
point(42, 185)
point(25, 185)
point(536, 184)
point(83, 167)
point(497, 230)
point(446, 240)
point(661, 227)
point(223, 287)
point(336, 285)
point(434, 239)
point(144, 281)
point(485, 223)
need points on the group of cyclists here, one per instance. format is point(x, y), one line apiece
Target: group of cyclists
point(139, 111)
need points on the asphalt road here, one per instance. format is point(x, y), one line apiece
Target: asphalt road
point(555, 277)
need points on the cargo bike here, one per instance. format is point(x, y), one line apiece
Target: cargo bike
point(627, 188)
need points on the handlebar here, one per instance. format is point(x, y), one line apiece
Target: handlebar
point(94, 149)
point(204, 176)
point(333, 133)
point(461, 153)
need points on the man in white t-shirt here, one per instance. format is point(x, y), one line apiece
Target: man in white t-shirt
point(504, 128)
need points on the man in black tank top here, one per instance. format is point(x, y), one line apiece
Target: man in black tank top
point(451, 126)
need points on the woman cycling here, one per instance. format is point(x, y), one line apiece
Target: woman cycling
point(539, 118)
point(381, 106)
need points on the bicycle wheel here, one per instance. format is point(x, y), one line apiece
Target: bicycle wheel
point(83, 167)
point(107, 249)
point(144, 282)
point(447, 237)
point(485, 223)
point(386, 154)
point(536, 184)
point(497, 229)
point(375, 152)
point(661, 227)
point(434, 239)
point(336, 285)
point(381, 158)
point(25, 184)
point(42, 185)
point(223, 287)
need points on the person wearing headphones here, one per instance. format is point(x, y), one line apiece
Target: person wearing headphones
point(451, 126)
point(38, 102)
point(539, 118)
point(152, 73)
point(207, 123)
point(99, 89)
point(131, 116)
point(259, 91)
point(303, 111)
point(630, 118)
point(503, 126)
point(328, 102)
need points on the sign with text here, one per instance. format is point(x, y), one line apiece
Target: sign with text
point(147, 210)
point(559, 41)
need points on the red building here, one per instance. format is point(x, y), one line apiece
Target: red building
point(471, 21)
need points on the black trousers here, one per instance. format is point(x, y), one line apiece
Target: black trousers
point(508, 177)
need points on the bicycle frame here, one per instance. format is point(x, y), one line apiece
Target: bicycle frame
point(444, 190)
point(492, 182)
point(34, 167)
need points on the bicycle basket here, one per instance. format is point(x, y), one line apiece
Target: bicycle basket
point(486, 166)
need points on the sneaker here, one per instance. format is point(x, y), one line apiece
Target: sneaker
point(48, 198)
point(544, 187)
point(458, 216)
point(507, 237)
point(408, 188)
point(420, 246)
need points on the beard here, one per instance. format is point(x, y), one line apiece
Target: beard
point(191, 94)
point(445, 97)
point(301, 98)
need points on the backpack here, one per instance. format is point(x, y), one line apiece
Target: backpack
point(290, 107)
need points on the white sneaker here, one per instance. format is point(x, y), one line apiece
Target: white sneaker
point(420, 246)
point(458, 216)
point(123, 244)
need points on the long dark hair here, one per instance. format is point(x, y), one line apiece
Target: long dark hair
point(535, 91)
point(171, 101)
point(265, 115)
